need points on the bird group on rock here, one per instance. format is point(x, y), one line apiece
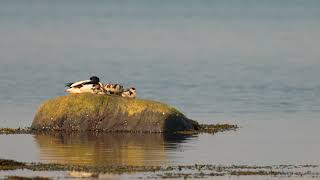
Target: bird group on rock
point(93, 85)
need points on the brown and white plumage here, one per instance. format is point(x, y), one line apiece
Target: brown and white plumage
point(129, 93)
point(113, 88)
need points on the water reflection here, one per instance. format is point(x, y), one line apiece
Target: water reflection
point(108, 149)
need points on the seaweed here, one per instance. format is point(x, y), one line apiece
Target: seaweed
point(26, 178)
point(11, 165)
point(177, 171)
point(210, 129)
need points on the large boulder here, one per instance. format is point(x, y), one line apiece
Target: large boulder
point(90, 112)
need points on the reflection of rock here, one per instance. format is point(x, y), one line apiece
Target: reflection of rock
point(106, 149)
point(89, 112)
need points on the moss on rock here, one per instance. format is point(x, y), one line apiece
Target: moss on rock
point(90, 112)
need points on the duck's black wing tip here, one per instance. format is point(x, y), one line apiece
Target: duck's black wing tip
point(68, 84)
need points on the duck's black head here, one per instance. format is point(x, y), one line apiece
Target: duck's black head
point(94, 79)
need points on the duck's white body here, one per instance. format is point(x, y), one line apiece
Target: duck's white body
point(79, 83)
point(85, 86)
point(88, 88)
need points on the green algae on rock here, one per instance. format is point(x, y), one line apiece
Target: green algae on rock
point(90, 112)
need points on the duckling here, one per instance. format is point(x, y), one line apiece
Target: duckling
point(113, 89)
point(86, 86)
point(99, 89)
point(130, 93)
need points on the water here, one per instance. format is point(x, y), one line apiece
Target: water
point(254, 63)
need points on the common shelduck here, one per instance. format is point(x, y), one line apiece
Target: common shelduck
point(86, 86)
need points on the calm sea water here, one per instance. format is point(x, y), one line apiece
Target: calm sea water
point(254, 63)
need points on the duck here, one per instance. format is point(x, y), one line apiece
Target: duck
point(116, 89)
point(129, 93)
point(93, 85)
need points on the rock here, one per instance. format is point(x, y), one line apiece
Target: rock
point(90, 112)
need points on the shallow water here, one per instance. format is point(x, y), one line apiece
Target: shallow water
point(255, 143)
point(252, 63)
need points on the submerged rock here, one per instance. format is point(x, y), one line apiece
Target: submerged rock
point(90, 112)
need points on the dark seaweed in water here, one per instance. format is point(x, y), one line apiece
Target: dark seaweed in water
point(25, 178)
point(15, 131)
point(201, 128)
point(178, 171)
point(210, 128)
point(11, 165)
